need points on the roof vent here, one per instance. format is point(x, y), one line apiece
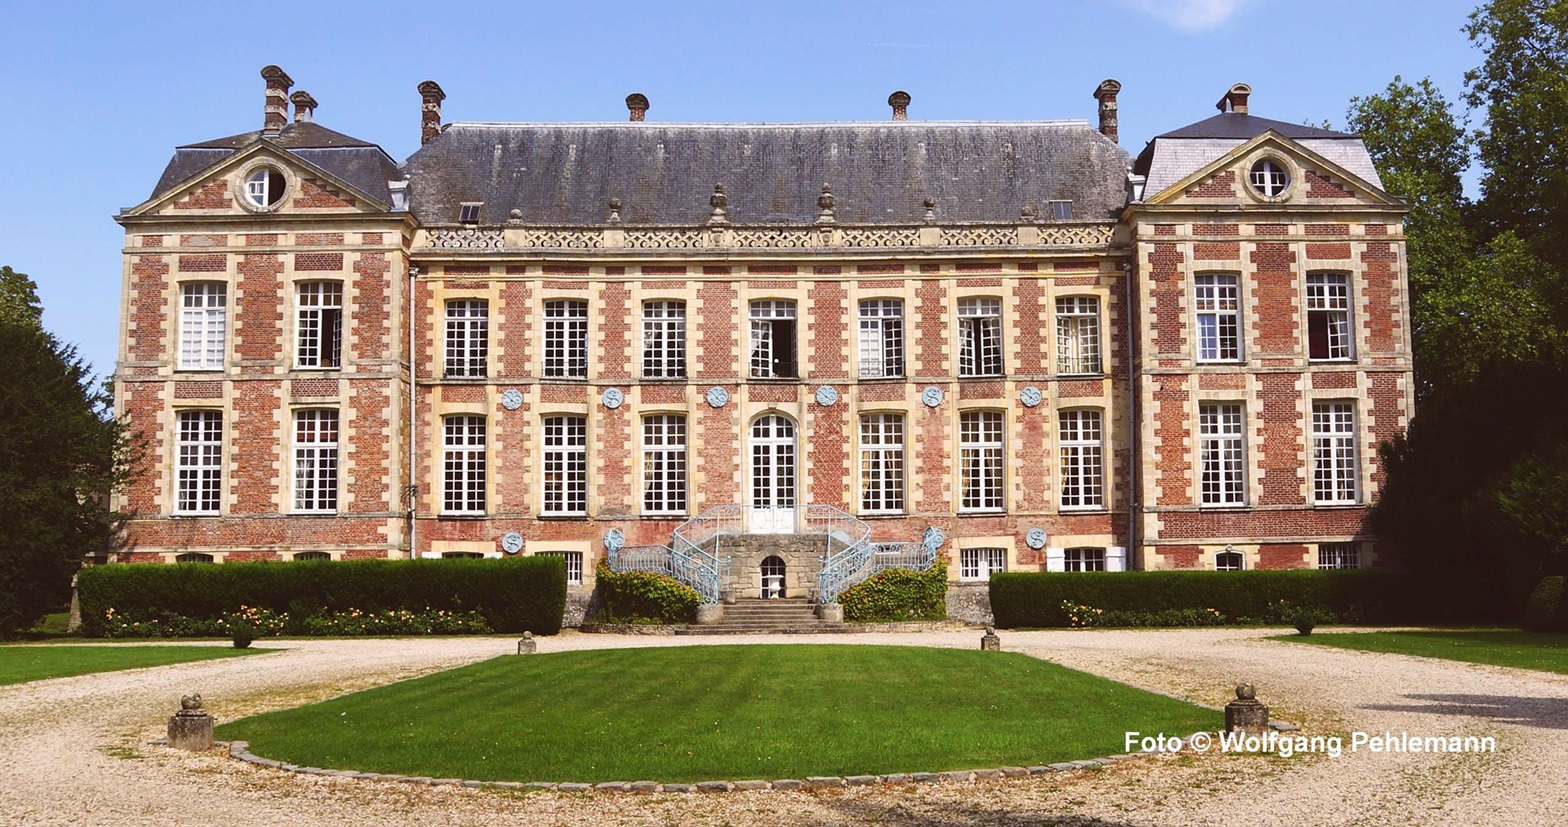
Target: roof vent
point(1235, 99)
point(637, 105)
point(900, 102)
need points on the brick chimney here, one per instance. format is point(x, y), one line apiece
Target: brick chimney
point(276, 113)
point(1235, 99)
point(1106, 93)
point(430, 95)
point(900, 102)
point(304, 106)
point(637, 105)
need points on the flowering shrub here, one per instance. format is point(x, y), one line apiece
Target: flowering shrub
point(250, 622)
point(1089, 617)
point(898, 594)
point(645, 597)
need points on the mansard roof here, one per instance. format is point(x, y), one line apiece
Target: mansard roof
point(880, 173)
point(362, 164)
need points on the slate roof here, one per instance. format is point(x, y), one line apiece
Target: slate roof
point(881, 172)
point(362, 164)
point(1176, 154)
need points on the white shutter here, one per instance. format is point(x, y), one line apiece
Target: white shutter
point(1116, 558)
point(1055, 560)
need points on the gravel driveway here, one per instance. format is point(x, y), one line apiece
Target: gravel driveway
point(74, 751)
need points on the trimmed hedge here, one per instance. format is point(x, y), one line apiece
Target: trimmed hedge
point(898, 594)
point(645, 597)
point(516, 595)
point(1022, 599)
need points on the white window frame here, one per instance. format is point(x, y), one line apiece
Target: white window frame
point(204, 316)
point(1269, 178)
point(574, 565)
point(774, 331)
point(198, 463)
point(1230, 560)
point(565, 466)
point(1339, 556)
point(664, 468)
point(1328, 300)
point(978, 564)
point(318, 340)
point(882, 465)
point(467, 338)
point(881, 344)
point(316, 436)
point(1083, 559)
point(566, 339)
point(664, 339)
point(259, 187)
point(982, 461)
point(1078, 336)
point(464, 465)
point(1222, 454)
point(1081, 447)
point(1336, 470)
point(980, 337)
point(1216, 304)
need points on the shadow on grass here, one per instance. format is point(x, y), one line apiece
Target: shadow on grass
point(955, 814)
point(1539, 713)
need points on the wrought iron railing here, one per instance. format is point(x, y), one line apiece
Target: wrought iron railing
point(693, 554)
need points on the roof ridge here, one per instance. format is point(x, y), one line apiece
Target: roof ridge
point(1057, 122)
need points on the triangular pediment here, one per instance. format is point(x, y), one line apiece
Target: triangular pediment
point(1310, 179)
point(220, 189)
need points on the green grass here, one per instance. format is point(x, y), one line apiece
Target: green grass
point(1499, 647)
point(721, 712)
point(19, 664)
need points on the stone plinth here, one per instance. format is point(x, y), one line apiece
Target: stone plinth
point(830, 612)
point(709, 614)
point(527, 645)
point(989, 642)
point(1246, 713)
point(190, 729)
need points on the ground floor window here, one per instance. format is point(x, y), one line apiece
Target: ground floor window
point(461, 555)
point(1229, 561)
point(1338, 556)
point(306, 556)
point(1083, 559)
point(193, 557)
point(981, 563)
point(574, 565)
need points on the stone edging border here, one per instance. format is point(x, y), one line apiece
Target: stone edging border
point(240, 750)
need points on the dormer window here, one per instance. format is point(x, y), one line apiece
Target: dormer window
point(469, 212)
point(264, 187)
point(1269, 178)
point(1062, 210)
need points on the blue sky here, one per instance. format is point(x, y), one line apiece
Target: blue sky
point(98, 95)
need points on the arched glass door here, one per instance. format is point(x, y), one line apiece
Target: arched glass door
point(772, 508)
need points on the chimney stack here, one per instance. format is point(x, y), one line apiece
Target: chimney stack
point(304, 106)
point(276, 114)
point(900, 102)
point(637, 104)
point(1106, 94)
point(430, 111)
point(1235, 99)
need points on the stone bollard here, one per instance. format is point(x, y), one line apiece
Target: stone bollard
point(527, 646)
point(191, 727)
point(1246, 713)
point(709, 614)
point(830, 612)
point(989, 642)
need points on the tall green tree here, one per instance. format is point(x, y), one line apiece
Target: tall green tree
point(62, 456)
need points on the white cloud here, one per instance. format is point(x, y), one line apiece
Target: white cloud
point(1191, 15)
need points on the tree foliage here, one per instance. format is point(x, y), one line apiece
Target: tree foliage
point(18, 298)
point(1477, 490)
point(61, 456)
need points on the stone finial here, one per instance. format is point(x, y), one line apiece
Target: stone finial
point(1106, 94)
point(826, 202)
point(1235, 99)
point(275, 115)
point(989, 642)
point(191, 727)
point(900, 102)
point(930, 205)
point(615, 210)
point(514, 215)
point(1246, 713)
point(637, 105)
point(430, 97)
point(304, 106)
point(1028, 215)
point(527, 645)
point(720, 203)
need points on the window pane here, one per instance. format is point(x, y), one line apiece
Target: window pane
point(199, 463)
point(463, 483)
point(467, 337)
point(980, 458)
point(664, 340)
point(203, 325)
point(664, 464)
point(565, 465)
point(566, 339)
point(881, 463)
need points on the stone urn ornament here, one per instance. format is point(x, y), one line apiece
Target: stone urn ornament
point(191, 727)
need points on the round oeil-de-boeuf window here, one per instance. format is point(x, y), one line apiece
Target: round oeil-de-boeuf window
point(264, 187)
point(1269, 178)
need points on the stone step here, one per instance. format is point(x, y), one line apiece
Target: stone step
point(720, 629)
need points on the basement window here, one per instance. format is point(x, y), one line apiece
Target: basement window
point(469, 212)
